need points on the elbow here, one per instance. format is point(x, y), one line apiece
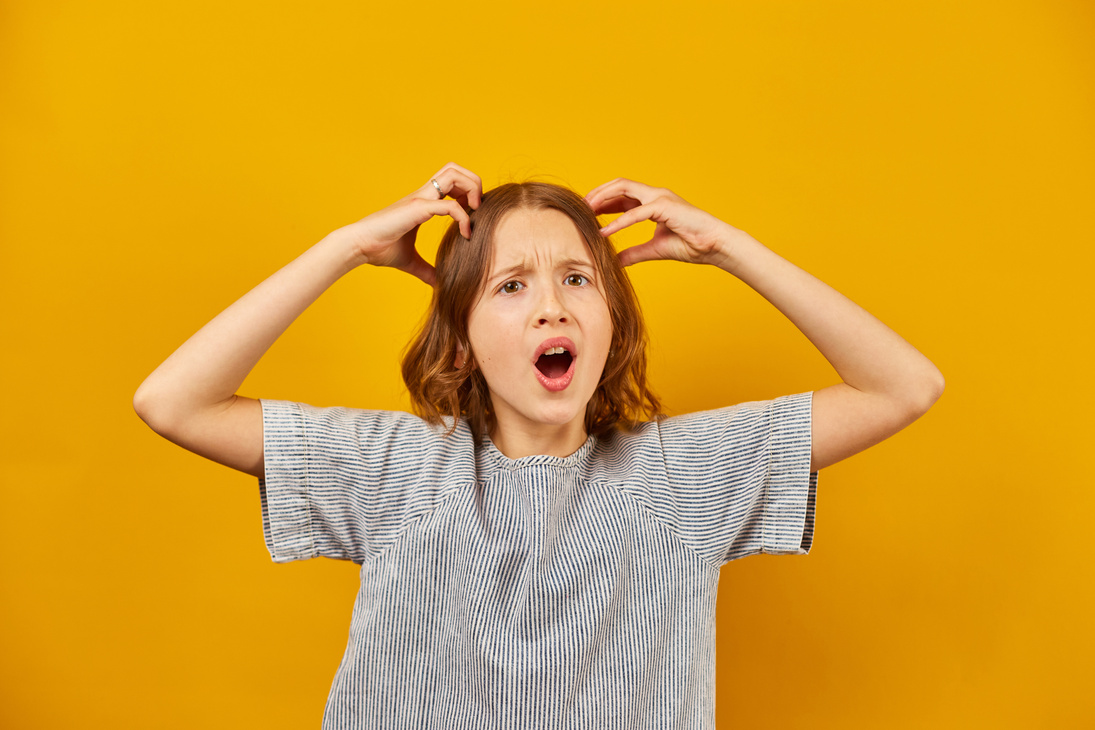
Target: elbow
point(929, 389)
point(936, 385)
point(140, 402)
point(940, 385)
point(150, 408)
point(144, 404)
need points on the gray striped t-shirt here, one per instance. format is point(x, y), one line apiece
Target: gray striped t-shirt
point(541, 592)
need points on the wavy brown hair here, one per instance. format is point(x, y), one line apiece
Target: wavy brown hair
point(438, 389)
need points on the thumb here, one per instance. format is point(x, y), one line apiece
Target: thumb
point(421, 269)
point(642, 252)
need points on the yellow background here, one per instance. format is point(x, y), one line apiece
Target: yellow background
point(932, 160)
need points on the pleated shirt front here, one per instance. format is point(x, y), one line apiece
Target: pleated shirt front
point(541, 592)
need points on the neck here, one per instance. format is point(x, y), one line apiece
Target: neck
point(517, 441)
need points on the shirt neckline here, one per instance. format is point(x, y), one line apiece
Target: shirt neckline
point(491, 452)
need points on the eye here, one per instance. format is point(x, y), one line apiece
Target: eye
point(577, 280)
point(511, 287)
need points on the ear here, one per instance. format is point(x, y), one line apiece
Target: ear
point(459, 359)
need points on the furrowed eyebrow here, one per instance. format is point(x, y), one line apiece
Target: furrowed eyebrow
point(523, 267)
point(576, 263)
point(516, 269)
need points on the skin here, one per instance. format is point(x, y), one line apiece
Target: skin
point(543, 284)
point(885, 385)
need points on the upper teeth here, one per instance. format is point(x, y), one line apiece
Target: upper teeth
point(555, 351)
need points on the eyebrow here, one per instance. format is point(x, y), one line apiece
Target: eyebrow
point(523, 266)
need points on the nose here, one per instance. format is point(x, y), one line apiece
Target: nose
point(550, 308)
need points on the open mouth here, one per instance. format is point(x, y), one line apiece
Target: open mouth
point(554, 363)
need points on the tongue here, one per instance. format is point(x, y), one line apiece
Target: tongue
point(554, 366)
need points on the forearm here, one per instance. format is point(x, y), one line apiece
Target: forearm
point(207, 370)
point(867, 355)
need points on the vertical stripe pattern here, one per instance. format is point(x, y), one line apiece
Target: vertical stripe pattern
point(542, 592)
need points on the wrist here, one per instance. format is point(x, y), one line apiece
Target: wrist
point(734, 249)
point(341, 251)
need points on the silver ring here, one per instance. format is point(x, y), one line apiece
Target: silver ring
point(438, 188)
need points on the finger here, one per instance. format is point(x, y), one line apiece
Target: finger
point(596, 195)
point(630, 218)
point(622, 187)
point(616, 205)
point(600, 187)
point(641, 252)
point(470, 189)
point(446, 207)
point(456, 185)
point(420, 268)
point(470, 184)
point(465, 171)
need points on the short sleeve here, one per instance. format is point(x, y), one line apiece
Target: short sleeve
point(740, 479)
point(343, 483)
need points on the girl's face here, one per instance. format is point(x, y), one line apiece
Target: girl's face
point(542, 293)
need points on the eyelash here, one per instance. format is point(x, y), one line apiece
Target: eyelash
point(502, 289)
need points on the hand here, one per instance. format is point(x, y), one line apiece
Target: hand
point(684, 232)
point(387, 237)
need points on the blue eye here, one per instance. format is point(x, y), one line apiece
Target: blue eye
point(511, 287)
point(577, 280)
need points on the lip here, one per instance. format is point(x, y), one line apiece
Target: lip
point(561, 382)
point(555, 342)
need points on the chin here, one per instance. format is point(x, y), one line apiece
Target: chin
point(560, 416)
point(560, 421)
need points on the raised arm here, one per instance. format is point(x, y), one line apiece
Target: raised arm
point(887, 383)
point(191, 400)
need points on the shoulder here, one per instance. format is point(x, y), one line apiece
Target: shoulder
point(351, 419)
point(365, 435)
point(750, 416)
point(701, 440)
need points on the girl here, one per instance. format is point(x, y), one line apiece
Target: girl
point(539, 547)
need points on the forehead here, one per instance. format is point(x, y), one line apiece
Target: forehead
point(537, 238)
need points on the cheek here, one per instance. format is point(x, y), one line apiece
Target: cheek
point(492, 331)
point(601, 320)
